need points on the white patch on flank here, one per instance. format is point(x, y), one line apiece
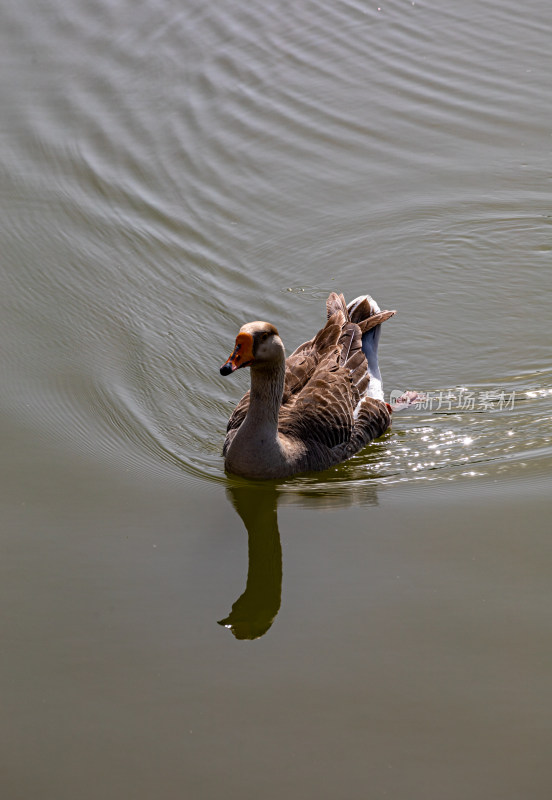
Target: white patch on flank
point(375, 389)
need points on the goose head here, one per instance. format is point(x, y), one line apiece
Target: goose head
point(257, 344)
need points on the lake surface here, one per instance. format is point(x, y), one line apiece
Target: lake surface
point(169, 172)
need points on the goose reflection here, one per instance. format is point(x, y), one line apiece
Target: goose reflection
point(255, 610)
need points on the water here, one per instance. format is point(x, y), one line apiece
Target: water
point(169, 172)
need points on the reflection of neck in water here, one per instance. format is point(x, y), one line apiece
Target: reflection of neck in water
point(253, 613)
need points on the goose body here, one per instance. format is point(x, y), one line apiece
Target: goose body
point(315, 409)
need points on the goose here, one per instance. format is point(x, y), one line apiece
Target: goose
point(314, 409)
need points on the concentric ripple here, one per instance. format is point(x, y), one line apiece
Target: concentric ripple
point(210, 163)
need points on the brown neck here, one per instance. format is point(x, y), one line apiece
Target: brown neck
point(267, 389)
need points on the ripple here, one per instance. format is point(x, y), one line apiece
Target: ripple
point(207, 165)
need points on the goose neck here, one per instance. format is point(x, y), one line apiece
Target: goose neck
point(267, 388)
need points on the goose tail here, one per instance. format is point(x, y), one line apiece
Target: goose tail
point(368, 316)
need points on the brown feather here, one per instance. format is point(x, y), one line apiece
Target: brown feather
point(336, 303)
point(375, 319)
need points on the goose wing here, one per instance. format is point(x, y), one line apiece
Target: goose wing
point(322, 412)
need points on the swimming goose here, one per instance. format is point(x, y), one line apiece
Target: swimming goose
point(315, 409)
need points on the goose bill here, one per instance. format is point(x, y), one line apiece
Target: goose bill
point(242, 355)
